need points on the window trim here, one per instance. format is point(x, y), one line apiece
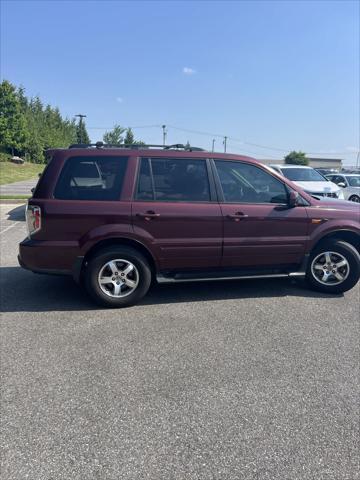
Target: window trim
point(212, 188)
point(220, 191)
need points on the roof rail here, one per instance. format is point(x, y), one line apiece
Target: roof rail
point(137, 146)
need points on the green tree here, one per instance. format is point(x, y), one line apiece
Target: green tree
point(13, 132)
point(81, 133)
point(115, 136)
point(28, 128)
point(129, 137)
point(296, 158)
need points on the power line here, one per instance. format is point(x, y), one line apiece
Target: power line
point(234, 139)
point(228, 138)
point(110, 128)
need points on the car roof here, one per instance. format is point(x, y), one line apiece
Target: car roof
point(146, 152)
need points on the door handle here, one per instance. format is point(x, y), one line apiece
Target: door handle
point(237, 216)
point(148, 215)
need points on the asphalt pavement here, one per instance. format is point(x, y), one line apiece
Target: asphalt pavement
point(253, 380)
point(18, 188)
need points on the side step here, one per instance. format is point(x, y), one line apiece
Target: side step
point(181, 278)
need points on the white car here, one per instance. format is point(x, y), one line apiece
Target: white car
point(311, 181)
point(349, 182)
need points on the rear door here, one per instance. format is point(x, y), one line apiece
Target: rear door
point(259, 228)
point(176, 213)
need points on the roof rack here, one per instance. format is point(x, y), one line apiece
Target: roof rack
point(137, 146)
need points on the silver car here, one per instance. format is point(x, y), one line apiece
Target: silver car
point(350, 183)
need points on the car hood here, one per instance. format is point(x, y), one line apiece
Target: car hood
point(338, 204)
point(318, 187)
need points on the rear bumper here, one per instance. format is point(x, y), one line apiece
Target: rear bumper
point(50, 258)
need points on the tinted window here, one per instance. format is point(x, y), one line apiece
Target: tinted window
point(173, 180)
point(245, 183)
point(91, 178)
point(145, 187)
point(337, 179)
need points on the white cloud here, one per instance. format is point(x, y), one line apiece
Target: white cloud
point(119, 99)
point(352, 149)
point(188, 71)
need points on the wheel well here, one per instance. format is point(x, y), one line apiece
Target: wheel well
point(344, 235)
point(121, 241)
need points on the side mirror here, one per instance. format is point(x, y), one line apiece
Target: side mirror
point(341, 184)
point(293, 199)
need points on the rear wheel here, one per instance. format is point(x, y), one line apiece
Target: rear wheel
point(354, 198)
point(334, 267)
point(117, 276)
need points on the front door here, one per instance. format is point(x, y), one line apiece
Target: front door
point(259, 228)
point(176, 214)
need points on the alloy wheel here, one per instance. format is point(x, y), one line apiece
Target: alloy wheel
point(118, 278)
point(330, 268)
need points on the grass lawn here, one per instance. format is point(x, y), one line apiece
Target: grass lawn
point(10, 172)
point(14, 197)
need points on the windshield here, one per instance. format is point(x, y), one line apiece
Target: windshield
point(354, 181)
point(303, 175)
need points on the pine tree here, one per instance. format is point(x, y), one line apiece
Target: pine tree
point(13, 133)
point(28, 128)
point(81, 133)
point(115, 136)
point(129, 138)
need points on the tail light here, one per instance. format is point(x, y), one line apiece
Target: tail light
point(33, 219)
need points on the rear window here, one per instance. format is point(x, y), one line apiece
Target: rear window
point(91, 178)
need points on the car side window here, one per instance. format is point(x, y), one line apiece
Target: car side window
point(338, 179)
point(91, 178)
point(173, 180)
point(245, 183)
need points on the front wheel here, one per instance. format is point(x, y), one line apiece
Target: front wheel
point(117, 276)
point(354, 198)
point(334, 267)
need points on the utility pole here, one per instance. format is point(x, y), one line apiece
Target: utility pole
point(81, 116)
point(224, 142)
point(357, 160)
point(213, 145)
point(164, 134)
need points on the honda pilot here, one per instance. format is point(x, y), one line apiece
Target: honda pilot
point(119, 218)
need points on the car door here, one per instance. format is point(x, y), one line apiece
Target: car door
point(259, 227)
point(176, 213)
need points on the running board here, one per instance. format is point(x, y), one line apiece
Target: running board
point(181, 279)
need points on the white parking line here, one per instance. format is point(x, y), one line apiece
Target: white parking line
point(9, 227)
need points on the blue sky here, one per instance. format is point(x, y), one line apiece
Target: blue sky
point(281, 74)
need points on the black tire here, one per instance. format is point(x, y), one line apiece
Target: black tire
point(349, 253)
point(354, 198)
point(105, 255)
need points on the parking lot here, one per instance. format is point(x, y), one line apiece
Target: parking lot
point(233, 380)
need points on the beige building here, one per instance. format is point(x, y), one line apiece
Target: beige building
point(335, 163)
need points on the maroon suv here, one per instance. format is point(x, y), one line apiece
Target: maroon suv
point(118, 218)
